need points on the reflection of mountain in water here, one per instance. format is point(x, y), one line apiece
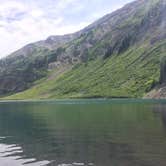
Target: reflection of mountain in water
point(160, 109)
point(82, 133)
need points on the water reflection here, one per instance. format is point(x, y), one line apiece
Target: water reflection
point(93, 133)
point(160, 111)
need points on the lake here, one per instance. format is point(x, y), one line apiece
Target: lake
point(83, 133)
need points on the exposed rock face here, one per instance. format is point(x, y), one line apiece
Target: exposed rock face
point(54, 65)
point(142, 21)
point(159, 91)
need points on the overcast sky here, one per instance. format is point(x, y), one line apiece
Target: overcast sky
point(26, 21)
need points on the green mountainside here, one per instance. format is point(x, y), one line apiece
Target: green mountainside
point(117, 56)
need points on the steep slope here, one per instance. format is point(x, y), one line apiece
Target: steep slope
point(21, 68)
point(117, 56)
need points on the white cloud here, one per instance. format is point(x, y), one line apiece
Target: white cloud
point(26, 21)
point(21, 24)
point(62, 4)
point(11, 10)
point(36, 13)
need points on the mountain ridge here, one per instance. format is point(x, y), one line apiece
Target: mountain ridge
point(137, 31)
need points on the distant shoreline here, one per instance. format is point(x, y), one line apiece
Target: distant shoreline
point(82, 100)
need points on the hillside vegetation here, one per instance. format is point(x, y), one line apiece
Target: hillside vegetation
point(117, 56)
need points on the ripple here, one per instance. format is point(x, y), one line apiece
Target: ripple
point(10, 154)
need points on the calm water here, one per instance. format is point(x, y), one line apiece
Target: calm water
point(83, 132)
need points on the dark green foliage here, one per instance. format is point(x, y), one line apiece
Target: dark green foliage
point(124, 44)
point(108, 53)
point(163, 70)
point(150, 85)
point(52, 57)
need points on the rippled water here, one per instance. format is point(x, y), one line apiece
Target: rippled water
point(83, 132)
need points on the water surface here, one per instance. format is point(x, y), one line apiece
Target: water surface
point(83, 132)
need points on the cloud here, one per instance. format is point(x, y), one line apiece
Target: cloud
point(12, 10)
point(26, 21)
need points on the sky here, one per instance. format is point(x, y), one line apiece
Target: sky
point(26, 21)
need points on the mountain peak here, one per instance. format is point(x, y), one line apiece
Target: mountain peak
point(120, 51)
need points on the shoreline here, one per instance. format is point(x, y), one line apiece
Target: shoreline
point(79, 100)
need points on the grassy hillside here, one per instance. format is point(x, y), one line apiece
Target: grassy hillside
point(116, 56)
point(131, 74)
